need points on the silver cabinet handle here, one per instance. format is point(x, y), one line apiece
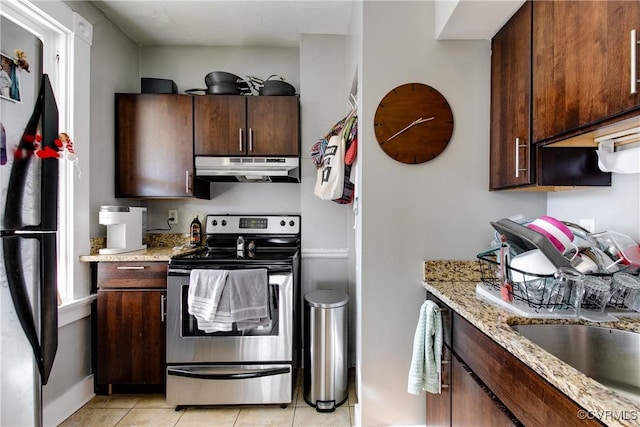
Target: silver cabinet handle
point(131, 267)
point(518, 147)
point(187, 177)
point(240, 148)
point(517, 157)
point(442, 365)
point(163, 313)
point(634, 49)
point(250, 139)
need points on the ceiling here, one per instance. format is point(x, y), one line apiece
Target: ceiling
point(226, 23)
point(279, 22)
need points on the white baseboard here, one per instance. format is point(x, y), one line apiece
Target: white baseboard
point(73, 399)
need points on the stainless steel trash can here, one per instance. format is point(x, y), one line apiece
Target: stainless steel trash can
point(325, 346)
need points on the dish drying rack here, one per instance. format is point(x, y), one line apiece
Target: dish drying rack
point(545, 292)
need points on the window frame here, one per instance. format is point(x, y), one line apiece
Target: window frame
point(66, 38)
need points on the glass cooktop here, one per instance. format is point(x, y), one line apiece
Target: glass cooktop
point(278, 256)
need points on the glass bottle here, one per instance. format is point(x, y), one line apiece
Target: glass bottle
point(195, 232)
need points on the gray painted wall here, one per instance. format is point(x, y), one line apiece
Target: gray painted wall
point(437, 210)
point(114, 68)
point(613, 208)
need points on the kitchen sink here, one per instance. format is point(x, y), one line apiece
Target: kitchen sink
point(609, 356)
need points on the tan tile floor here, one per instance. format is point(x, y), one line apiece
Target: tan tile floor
point(124, 410)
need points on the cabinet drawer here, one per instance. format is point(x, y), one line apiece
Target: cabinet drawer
point(124, 275)
point(530, 398)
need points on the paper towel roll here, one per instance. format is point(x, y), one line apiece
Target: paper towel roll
point(621, 161)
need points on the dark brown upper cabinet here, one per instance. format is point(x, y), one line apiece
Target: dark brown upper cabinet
point(523, 52)
point(511, 159)
point(233, 125)
point(154, 147)
point(582, 66)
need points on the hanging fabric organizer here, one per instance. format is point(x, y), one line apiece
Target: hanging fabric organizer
point(334, 155)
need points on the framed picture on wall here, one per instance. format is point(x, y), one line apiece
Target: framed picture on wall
point(9, 82)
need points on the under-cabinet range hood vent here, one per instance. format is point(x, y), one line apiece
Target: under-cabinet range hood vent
point(248, 169)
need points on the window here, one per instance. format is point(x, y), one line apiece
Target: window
point(66, 54)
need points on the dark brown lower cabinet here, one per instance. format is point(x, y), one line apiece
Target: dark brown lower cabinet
point(472, 403)
point(439, 405)
point(131, 337)
point(465, 400)
point(488, 386)
point(130, 325)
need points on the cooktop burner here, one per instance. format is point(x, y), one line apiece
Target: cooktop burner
point(248, 239)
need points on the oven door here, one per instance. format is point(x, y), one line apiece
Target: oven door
point(186, 344)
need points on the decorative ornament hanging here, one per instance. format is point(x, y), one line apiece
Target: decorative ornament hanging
point(21, 60)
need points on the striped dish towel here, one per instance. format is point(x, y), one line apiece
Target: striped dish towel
point(424, 373)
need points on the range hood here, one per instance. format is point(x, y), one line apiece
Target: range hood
point(248, 169)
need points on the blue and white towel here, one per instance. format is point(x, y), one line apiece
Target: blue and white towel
point(424, 373)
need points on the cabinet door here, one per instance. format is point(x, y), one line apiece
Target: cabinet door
point(582, 66)
point(154, 145)
point(472, 403)
point(531, 399)
point(131, 337)
point(439, 405)
point(511, 160)
point(273, 125)
point(220, 125)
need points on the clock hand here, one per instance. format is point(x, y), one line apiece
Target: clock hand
point(421, 120)
point(415, 122)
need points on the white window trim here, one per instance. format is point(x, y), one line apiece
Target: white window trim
point(75, 310)
point(67, 40)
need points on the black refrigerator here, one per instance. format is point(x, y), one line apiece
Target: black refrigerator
point(28, 227)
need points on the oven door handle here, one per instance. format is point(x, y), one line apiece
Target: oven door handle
point(178, 272)
point(208, 374)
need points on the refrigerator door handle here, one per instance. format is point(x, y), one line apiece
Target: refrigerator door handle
point(19, 295)
point(48, 302)
point(45, 344)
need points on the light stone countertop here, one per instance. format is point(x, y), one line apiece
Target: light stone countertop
point(160, 247)
point(158, 253)
point(454, 283)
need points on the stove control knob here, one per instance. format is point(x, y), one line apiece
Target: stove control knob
point(224, 222)
point(291, 223)
point(282, 223)
point(214, 222)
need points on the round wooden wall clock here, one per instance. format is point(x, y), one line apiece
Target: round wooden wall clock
point(413, 123)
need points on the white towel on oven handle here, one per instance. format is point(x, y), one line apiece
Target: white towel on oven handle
point(205, 290)
point(244, 300)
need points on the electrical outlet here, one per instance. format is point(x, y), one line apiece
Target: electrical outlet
point(588, 224)
point(173, 213)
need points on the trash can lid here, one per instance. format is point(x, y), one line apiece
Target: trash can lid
point(326, 298)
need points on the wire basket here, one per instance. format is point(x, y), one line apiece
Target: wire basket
point(541, 291)
point(593, 292)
